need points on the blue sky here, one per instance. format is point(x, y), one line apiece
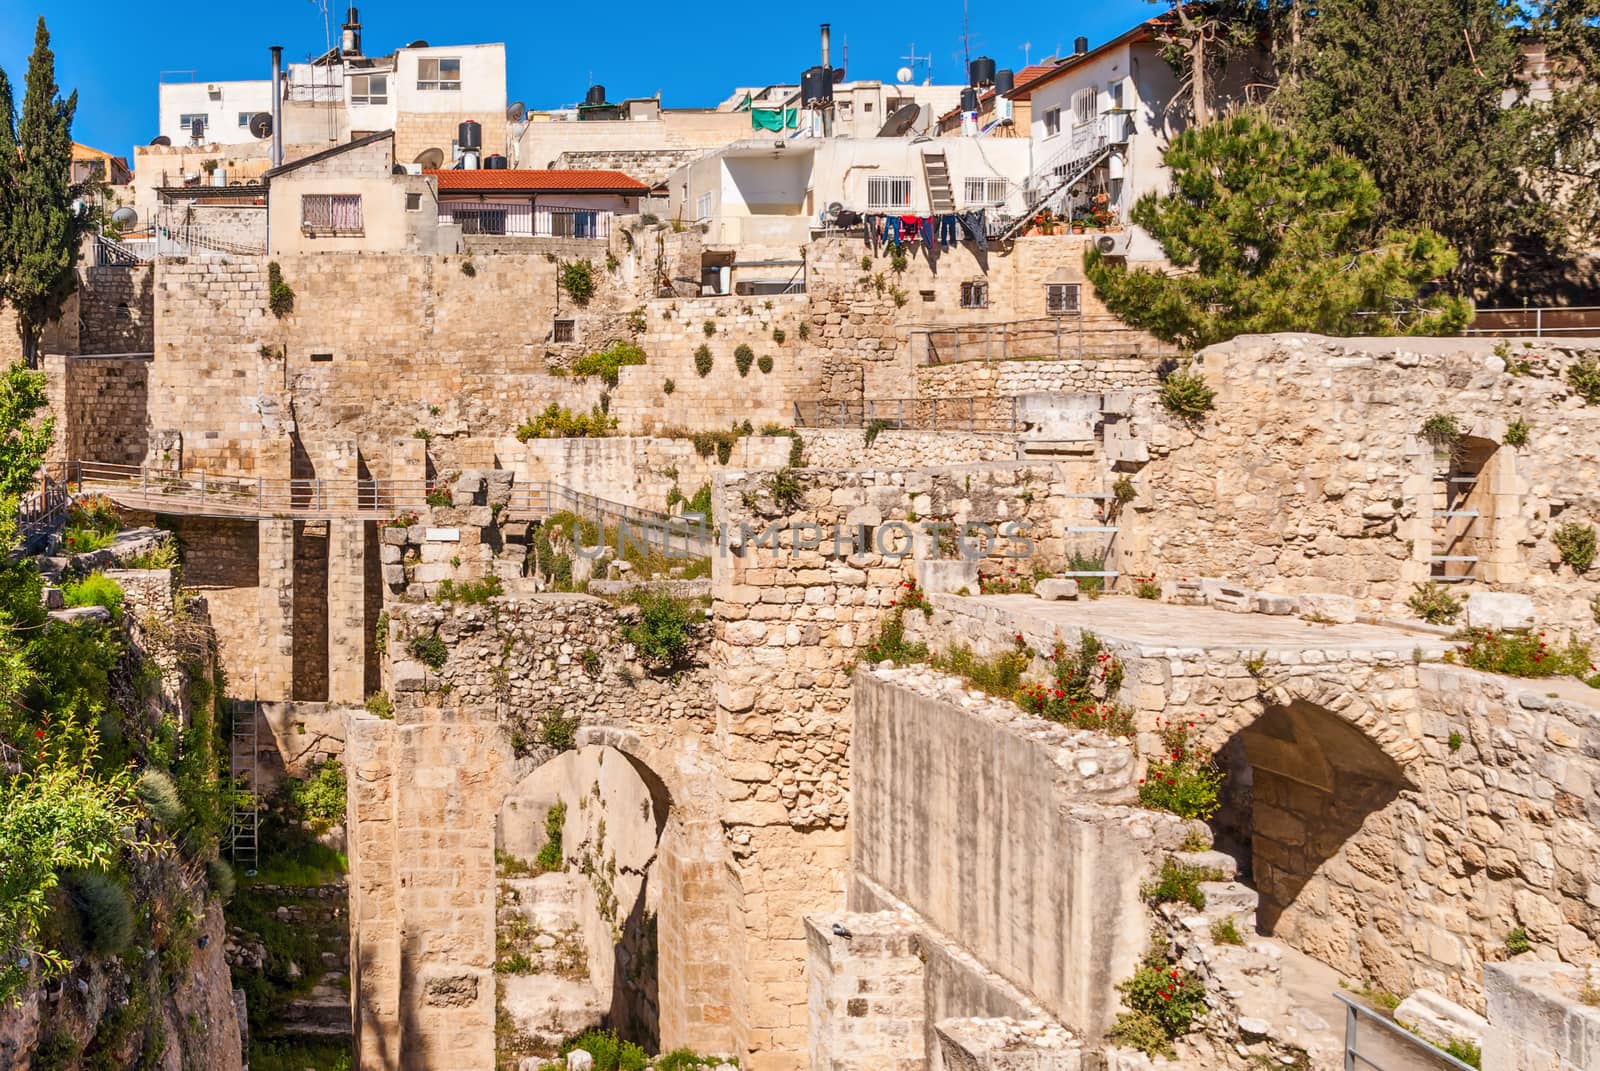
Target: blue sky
point(113, 52)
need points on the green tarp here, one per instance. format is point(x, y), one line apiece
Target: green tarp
point(775, 119)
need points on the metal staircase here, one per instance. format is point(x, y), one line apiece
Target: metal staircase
point(1060, 174)
point(936, 170)
point(244, 836)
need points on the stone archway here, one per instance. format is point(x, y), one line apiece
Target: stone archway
point(1310, 810)
point(577, 900)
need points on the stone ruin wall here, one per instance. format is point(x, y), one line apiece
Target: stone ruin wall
point(1488, 831)
point(1313, 448)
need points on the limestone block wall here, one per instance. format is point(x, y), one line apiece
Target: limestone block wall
point(1315, 446)
point(1490, 825)
point(1540, 1023)
point(1092, 375)
point(867, 1010)
point(947, 793)
point(222, 563)
point(842, 448)
point(789, 621)
point(117, 309)
point(638, 470)
point(99, 404)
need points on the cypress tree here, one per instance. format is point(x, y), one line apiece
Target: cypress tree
point(40, 230)
point(1267, 236)
point(1415, 90)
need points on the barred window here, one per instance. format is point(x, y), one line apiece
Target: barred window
point(563, 331)
point(888, 191)
point(331, 213)
point(985, 191)
point(1061, 299)
point(974, 295)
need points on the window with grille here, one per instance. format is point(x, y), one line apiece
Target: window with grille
point(1061, 299)
point(331, 213)
point(888, 191)
point(438, 73)
point(1084, 105)
point(1052, 122)
point(374, 88)
point(985, 191)
point(244, 118)
point(974, 295)
point(186, 122)
point(564, 331)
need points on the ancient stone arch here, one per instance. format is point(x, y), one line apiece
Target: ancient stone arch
point(1324, 688)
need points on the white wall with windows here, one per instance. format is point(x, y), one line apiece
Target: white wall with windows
point(225, 109)
point(450, 78)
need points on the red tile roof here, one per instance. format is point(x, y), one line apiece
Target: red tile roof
point(506, 179)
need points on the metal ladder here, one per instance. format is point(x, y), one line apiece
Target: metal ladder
point(244, 834)
point(1108, 577)
point(941, 198)
point(1456, 489)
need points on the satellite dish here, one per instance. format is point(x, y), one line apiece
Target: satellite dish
point(516, 111)
point(261, 125)
point(901, 122)
point(903, 75)
point(125, 216)
point(418, 44)
point(838, 76)
point(399, 169)
point(430, 159)
point(161, 140)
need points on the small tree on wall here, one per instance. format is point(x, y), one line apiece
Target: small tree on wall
point(40, 226)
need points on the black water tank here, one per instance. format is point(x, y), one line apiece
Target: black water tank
point(494, 163)
point(969, 99)
point(595, 97)
point(1004, 80)
point(816, 86)
point(469, 136)
point(980, 72)
point(1080, 46)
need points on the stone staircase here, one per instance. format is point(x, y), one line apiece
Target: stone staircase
point(541, 964)
point(322, 1012)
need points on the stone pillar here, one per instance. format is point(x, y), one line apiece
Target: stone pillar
point(867, 1006)
point(696, 934)
point(375, 962)
point(347, 618)
point(274, 667)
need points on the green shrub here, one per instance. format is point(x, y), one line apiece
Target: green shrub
point(469, 592)
point(1082, 690)
point(1441, 429)
point(609, 1052)
point(667, 386)
point(999, 676)
point(608, 362)
point(428, 649)
point(105, 914)
point(1454, 741)
point(1576, 542)
point(1079, 562)
point(710, 328)
point(160, 798)
point(550, 857)
point(805, 330)
point(163, 555)
point(1184, 780)
point(683, 1060)
point(743, 358)
point(1517, 433)
point(380, 705)
point(764, 363)
point(1435, 603)
point(220, 876)
point(1184, 394)
point(1163, 1003)
point(1146, 587)
point(1583, 375)
point(558, 731)
point(577, 279)
point(702, 360)
point(56, 1050)
point(96, 589)
point(320, 799)
point(559, 422)
point(874, 429)
point(468, 268)
point(1179, 883)
point(1225, 932)
point(1520, 654)
point(280, 298)
point(1517, 941)
point(778, 336)
point(663, 629)
point(1123, 490)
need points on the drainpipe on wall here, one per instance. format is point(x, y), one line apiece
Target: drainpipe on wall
point(277, 105)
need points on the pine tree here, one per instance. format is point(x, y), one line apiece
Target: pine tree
point(1415, 90)
point(1564, 102)
point(1266, 237)
point(40, 229)
point(1218, 41)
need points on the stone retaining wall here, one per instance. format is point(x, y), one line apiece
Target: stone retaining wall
point(843, 448)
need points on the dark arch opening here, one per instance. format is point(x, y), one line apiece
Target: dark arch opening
point(1301, 783)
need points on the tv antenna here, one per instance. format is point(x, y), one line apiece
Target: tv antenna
point(1027, 47)
point(966, 36)
point(912, 59)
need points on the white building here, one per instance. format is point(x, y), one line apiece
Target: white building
point(223, 109)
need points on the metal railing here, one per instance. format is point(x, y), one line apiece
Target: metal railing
point(512, 219)
point(1557, 322)
point(210, 494)
point(1390, 1047)
point(995, 414)
point(1049, 336)
point(38, 511)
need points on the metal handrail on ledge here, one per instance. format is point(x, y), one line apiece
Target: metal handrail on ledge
point(1356, 1012)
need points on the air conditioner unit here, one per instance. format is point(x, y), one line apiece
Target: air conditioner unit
point(413, 169)
point(1114, 245)
point(214, 90)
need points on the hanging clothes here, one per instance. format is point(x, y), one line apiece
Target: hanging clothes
point(891, 231)
point(973, 223)
point(949, 233)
